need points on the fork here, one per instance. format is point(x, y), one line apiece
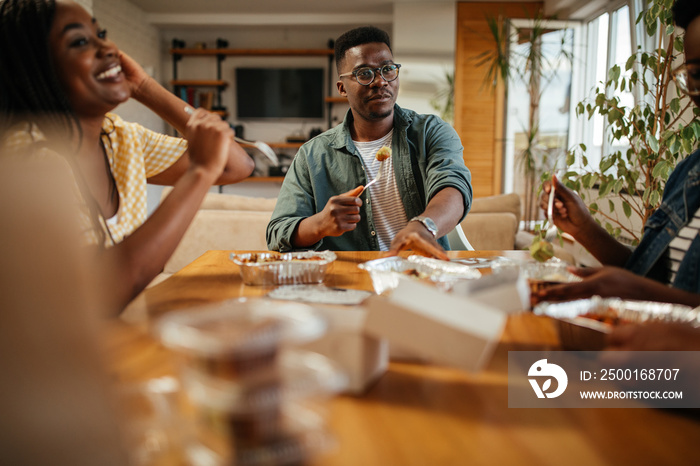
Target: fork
point(376, 178)
point(551, 233)
point(259, 145)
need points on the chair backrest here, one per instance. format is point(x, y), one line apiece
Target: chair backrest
point(458, 240)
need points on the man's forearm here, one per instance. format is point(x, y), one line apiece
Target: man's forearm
point(446, 209)
point(307, 232)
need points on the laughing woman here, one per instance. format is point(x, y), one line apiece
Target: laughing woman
point(60, 76)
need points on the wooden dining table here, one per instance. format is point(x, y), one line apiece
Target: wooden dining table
point(418, 413)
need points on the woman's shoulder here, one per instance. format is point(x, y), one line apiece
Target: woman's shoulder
point(21, 136)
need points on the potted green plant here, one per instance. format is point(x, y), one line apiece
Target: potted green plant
point(535, 69)
point(660, 129)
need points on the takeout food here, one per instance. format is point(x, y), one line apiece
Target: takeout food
point(386, 272)
point(262, 258)
point(292, 268)
point(236, 340)
point(542, 250)
point(383, 153)
point(583, 324)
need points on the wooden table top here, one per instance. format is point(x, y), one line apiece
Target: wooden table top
point(420, 414)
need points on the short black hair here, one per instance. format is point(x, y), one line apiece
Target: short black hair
point(358, 36)
point(685, 11)
point(29, 85)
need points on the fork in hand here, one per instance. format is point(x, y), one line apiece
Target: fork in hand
point(551, 233)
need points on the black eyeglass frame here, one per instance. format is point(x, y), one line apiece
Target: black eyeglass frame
point(374, 73)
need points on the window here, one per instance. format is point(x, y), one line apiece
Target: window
point(611, 37)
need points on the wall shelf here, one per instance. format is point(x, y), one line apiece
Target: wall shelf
point(263, 179)
point(336, 100)
point(254, 52)
point(199, 83)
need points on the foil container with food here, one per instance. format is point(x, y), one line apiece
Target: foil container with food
point(387, 272)
point(583, 324)
point(539, 275)
point(272, 269)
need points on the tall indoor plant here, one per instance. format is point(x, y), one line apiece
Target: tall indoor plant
point(661, 129)
point(535, 69)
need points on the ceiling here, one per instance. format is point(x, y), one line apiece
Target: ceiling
point(272, 6)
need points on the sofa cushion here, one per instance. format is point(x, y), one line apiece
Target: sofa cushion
point(220, 229)
point(490, 231)
point(219, 201)
point(498, 203)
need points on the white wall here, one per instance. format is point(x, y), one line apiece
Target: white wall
point(424, 41)
point(127, 26)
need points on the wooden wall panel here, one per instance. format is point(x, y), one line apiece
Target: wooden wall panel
point(479, 110)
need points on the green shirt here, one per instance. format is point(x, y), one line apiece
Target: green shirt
point(427, 157)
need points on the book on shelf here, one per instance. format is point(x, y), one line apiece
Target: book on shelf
point(206, 99)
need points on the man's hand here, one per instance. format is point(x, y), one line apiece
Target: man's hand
point(341, 214)
point(416, 237)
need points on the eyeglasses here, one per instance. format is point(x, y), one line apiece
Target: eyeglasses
point(687, 80)
point(365, 75)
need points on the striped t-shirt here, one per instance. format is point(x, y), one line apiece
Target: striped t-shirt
point(388, 212)
point(680, 244)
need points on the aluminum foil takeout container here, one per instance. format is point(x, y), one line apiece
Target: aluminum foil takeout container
point(387, 272)
point(292, 268)
point(583, 324)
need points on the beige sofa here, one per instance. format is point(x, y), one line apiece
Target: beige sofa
point(227, 221)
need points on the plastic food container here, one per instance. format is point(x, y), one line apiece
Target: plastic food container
point(238, 338)
point(584, 324)
point(387, 272)
point(272, 269)
point(539, 275)
point(279, 419)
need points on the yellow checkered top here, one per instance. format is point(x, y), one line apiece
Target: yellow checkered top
point(134, 153)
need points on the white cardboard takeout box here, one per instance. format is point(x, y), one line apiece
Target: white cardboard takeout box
point(444, 328)
point(364, 357)
point(508, 290)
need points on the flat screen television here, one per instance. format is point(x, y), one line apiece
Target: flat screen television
point(279, 93)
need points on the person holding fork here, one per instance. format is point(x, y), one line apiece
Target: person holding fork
point(423, 188)
point(664, 266)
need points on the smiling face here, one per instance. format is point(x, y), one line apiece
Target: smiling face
point(692, 53)
point(376, 101)
point(87, 64)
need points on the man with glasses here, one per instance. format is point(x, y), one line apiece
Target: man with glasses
point(419, 193)
point(664, 266)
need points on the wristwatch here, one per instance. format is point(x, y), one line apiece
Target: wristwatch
point(428, 223)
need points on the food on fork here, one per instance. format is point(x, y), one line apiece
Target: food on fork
point(383, 153)
point(541, 250)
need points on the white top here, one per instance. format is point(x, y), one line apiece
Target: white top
point(388, 214)
point(680, 244)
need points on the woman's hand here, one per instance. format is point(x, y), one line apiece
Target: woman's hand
point(209, 139)
point(134, 73)
point(570, 214)
point(600, 281)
